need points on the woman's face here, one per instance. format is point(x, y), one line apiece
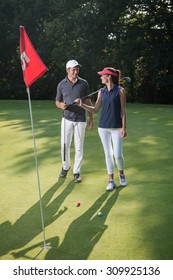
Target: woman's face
point(104, 79)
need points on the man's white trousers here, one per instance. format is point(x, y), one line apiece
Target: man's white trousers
point(70, 130)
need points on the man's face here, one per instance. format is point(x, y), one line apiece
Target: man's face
point(73, 72)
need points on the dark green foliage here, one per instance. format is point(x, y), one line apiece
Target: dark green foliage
point(134, 36)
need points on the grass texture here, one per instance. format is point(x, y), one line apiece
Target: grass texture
point(137, 220)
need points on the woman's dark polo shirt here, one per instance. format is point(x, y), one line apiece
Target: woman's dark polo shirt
point(110, 116)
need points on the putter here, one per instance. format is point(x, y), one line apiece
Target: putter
point(126, 79)
point(88, 96)
point(64, 154)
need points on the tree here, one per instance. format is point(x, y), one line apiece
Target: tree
point(134, 36)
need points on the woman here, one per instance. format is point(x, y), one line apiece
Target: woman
point(112, 122)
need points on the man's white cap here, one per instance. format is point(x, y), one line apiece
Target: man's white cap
point(72, 63)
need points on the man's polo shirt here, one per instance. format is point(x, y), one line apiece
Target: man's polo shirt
point(67, 92)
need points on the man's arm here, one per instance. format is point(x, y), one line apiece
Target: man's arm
point(58, 102)
point(60, 105)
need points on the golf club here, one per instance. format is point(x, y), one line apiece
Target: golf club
point(88, 96)
point(126, 79)
point(64, 153)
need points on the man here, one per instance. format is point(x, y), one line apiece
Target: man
point(73, 118)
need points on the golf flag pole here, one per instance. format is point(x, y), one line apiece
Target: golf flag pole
point(37, 172)
point(33, 68)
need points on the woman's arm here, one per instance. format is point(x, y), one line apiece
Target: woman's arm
point(89, 108)
point(123, 111)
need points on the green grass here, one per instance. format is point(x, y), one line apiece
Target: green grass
point(137, 220)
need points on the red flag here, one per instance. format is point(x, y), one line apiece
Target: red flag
point(32, 65)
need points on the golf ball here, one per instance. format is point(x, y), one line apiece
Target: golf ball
point(99, 213)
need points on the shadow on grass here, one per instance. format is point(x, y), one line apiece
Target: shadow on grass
point(148, 157)
point(82, 235)
point(28, 226)
point(15, 118)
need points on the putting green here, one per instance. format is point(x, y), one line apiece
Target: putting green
point(136, 221)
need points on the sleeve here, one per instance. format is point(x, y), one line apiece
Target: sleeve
point(87, 90)
point(59, 96)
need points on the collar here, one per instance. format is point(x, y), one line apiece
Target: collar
point(67, 80)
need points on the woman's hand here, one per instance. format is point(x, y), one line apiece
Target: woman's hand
point(78, 101)
point(123, 133)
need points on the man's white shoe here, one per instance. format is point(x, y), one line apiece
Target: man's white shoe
point(122, 179)
point(111, 186)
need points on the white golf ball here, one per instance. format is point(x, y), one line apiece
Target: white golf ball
point(99, 213)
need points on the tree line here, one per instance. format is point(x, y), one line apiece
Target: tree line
point(134, 36)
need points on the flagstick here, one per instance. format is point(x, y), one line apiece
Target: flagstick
point(38, 179)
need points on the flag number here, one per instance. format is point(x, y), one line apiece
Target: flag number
point(24, 60)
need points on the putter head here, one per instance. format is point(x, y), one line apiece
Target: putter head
point(126, 79)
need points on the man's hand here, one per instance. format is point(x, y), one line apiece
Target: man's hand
point(90, 123)
point(63, 106)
